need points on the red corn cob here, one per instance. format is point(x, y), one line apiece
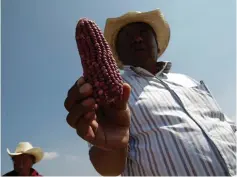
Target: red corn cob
point(99, 66)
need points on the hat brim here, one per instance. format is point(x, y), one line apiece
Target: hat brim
point(36, 152)
point(153, 18)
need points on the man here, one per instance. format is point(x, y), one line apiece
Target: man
point(167, 124)
point(24, 157)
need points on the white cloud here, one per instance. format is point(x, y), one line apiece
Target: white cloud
point(50, 155)
point(71, 157)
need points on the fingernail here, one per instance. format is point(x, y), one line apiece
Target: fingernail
point(84, 88)
point(80, 81)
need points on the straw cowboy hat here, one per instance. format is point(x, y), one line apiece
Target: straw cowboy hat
point(27, 148)
point(154, 18)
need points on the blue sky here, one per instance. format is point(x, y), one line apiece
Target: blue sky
point(40, 62)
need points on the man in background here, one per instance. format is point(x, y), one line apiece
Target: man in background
point(24, 157)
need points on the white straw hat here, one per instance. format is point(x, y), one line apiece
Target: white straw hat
point(154, 18)
point(27, 148)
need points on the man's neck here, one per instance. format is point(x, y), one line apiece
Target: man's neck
point(151, 67)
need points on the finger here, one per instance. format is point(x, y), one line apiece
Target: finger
point(119, 112)
point(73, 91)
point(91, 119)
point(123, 103)
point(74, 88)
point(89, 116)
point(85, 131)
point(79, 110)
point(77, 94)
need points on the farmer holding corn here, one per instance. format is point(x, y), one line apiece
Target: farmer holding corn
point(166, 124)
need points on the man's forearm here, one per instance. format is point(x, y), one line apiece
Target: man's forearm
point(108, 163)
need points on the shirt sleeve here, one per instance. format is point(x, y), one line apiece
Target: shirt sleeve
point(228, 120)
point(232, 123)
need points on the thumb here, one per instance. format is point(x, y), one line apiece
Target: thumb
point(123, 103)
point(118, 110)
point(120, 104)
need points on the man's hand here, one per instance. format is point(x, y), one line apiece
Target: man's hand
point(104, 127)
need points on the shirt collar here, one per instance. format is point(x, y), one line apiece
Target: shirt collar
point(34, 172)
point(162, 66)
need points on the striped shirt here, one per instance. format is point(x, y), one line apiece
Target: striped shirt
point(177, 128)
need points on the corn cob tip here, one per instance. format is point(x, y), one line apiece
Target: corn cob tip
point(83, 20)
